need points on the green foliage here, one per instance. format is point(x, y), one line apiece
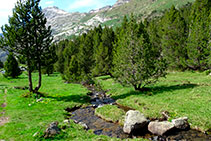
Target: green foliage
point(11, 67)
point(85, 56)
point(141, 47)
point(199, 35)
point(103, 52)
point(27, 35)
point(59, 65)
point(49, 61)
point(180, 93)
point(136, 62)
point(173, 39)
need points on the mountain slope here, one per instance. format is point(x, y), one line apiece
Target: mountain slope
point(65, 24)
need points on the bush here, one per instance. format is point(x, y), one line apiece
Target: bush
point(11, 67)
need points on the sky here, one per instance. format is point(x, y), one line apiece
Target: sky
point(6, 6)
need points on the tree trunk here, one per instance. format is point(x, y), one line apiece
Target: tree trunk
point(29, 76)
point(30, 80)
point(138, 87)
point(40, 78)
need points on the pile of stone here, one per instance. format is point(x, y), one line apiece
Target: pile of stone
point(52, 130)
point(135, 122)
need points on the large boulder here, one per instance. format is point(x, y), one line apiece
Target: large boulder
point(134, 122)
point(52, 130)
point(160, 128)
point(181, 123)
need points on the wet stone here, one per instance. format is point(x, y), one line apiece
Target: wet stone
point(100, 126)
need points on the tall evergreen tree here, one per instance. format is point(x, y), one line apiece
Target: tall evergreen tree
point(174, 39)
point(49, 61)
point(136, 63)
point(103, 53)
point(199, 36)
point(85, 55)
point(11, 67)
point(59, 65)
point(27, 35)
point(71, 66)
point(153, 30)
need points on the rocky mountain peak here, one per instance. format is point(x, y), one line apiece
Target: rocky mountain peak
point(120, 2)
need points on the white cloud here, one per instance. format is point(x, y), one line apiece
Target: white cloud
point(49, 2)
point(6, 7)
point(86, 3)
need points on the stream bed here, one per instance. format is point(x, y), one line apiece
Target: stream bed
point(102, 127)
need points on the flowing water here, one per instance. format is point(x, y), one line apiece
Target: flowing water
point(101, 127)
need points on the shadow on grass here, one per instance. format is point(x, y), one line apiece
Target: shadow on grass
point(70, 98)
point(156, 90)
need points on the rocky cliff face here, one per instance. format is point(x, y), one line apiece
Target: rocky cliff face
point(64, 24)
point(121, 2)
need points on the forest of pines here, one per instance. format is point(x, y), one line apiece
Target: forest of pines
point(138, 53)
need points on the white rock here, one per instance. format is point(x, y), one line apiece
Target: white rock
point(134, 121)
point(160, 128)
point(181, 123)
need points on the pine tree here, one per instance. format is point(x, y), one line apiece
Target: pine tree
point(11, 67)
point(174, 39)
point(103, 53)
point(85, 55)
point(73, 73)
point(136, 63)
point(71, 65)
point(59, 65)
point(49, 61)
point(27, 35)
point(199, 36)
point(153, 30)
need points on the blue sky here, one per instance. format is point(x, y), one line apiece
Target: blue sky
point(6, 6)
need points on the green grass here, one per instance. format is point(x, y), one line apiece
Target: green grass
point(28, 117)
point(181, 94)
point(111, 113)
point(144, 7)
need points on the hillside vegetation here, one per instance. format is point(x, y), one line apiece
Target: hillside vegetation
point(65, 24)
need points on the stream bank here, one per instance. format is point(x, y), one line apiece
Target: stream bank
point(87, 117)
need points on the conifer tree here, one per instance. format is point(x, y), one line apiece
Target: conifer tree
point(27, 35)
point(85, 55)
point(199, 35)
point(136, 63)
point(49, 61)
point(71, 66)
point(153, 30)
point(59, 65)
point(11, 67)
point(174, 39)
point(103, 53)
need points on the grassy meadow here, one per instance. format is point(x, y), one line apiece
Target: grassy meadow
point(27, 117)
point(181, 94)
